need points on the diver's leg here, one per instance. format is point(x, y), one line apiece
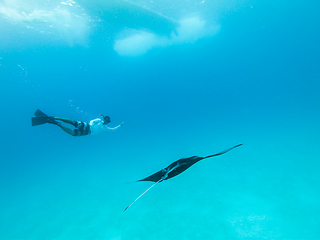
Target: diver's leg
point(67, 130)
point(66, 120)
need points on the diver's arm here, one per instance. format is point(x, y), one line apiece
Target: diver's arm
point(114, 128)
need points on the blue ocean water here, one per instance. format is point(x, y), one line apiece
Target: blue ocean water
point(187, 78)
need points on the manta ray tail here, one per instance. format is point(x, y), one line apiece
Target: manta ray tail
point(142, 194)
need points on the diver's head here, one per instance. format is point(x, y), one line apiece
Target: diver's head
point(105, 119)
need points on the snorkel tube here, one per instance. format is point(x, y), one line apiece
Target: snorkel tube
point(105, 119)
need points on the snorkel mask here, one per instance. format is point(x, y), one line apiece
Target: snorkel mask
point(105, 119)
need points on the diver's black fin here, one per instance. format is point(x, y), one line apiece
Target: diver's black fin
point(39, 113)
point(35, 121)
point(41, 118)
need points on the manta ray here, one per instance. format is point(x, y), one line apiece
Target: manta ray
point(175, 169)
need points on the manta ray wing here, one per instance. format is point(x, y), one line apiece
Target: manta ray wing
point(154, 177)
